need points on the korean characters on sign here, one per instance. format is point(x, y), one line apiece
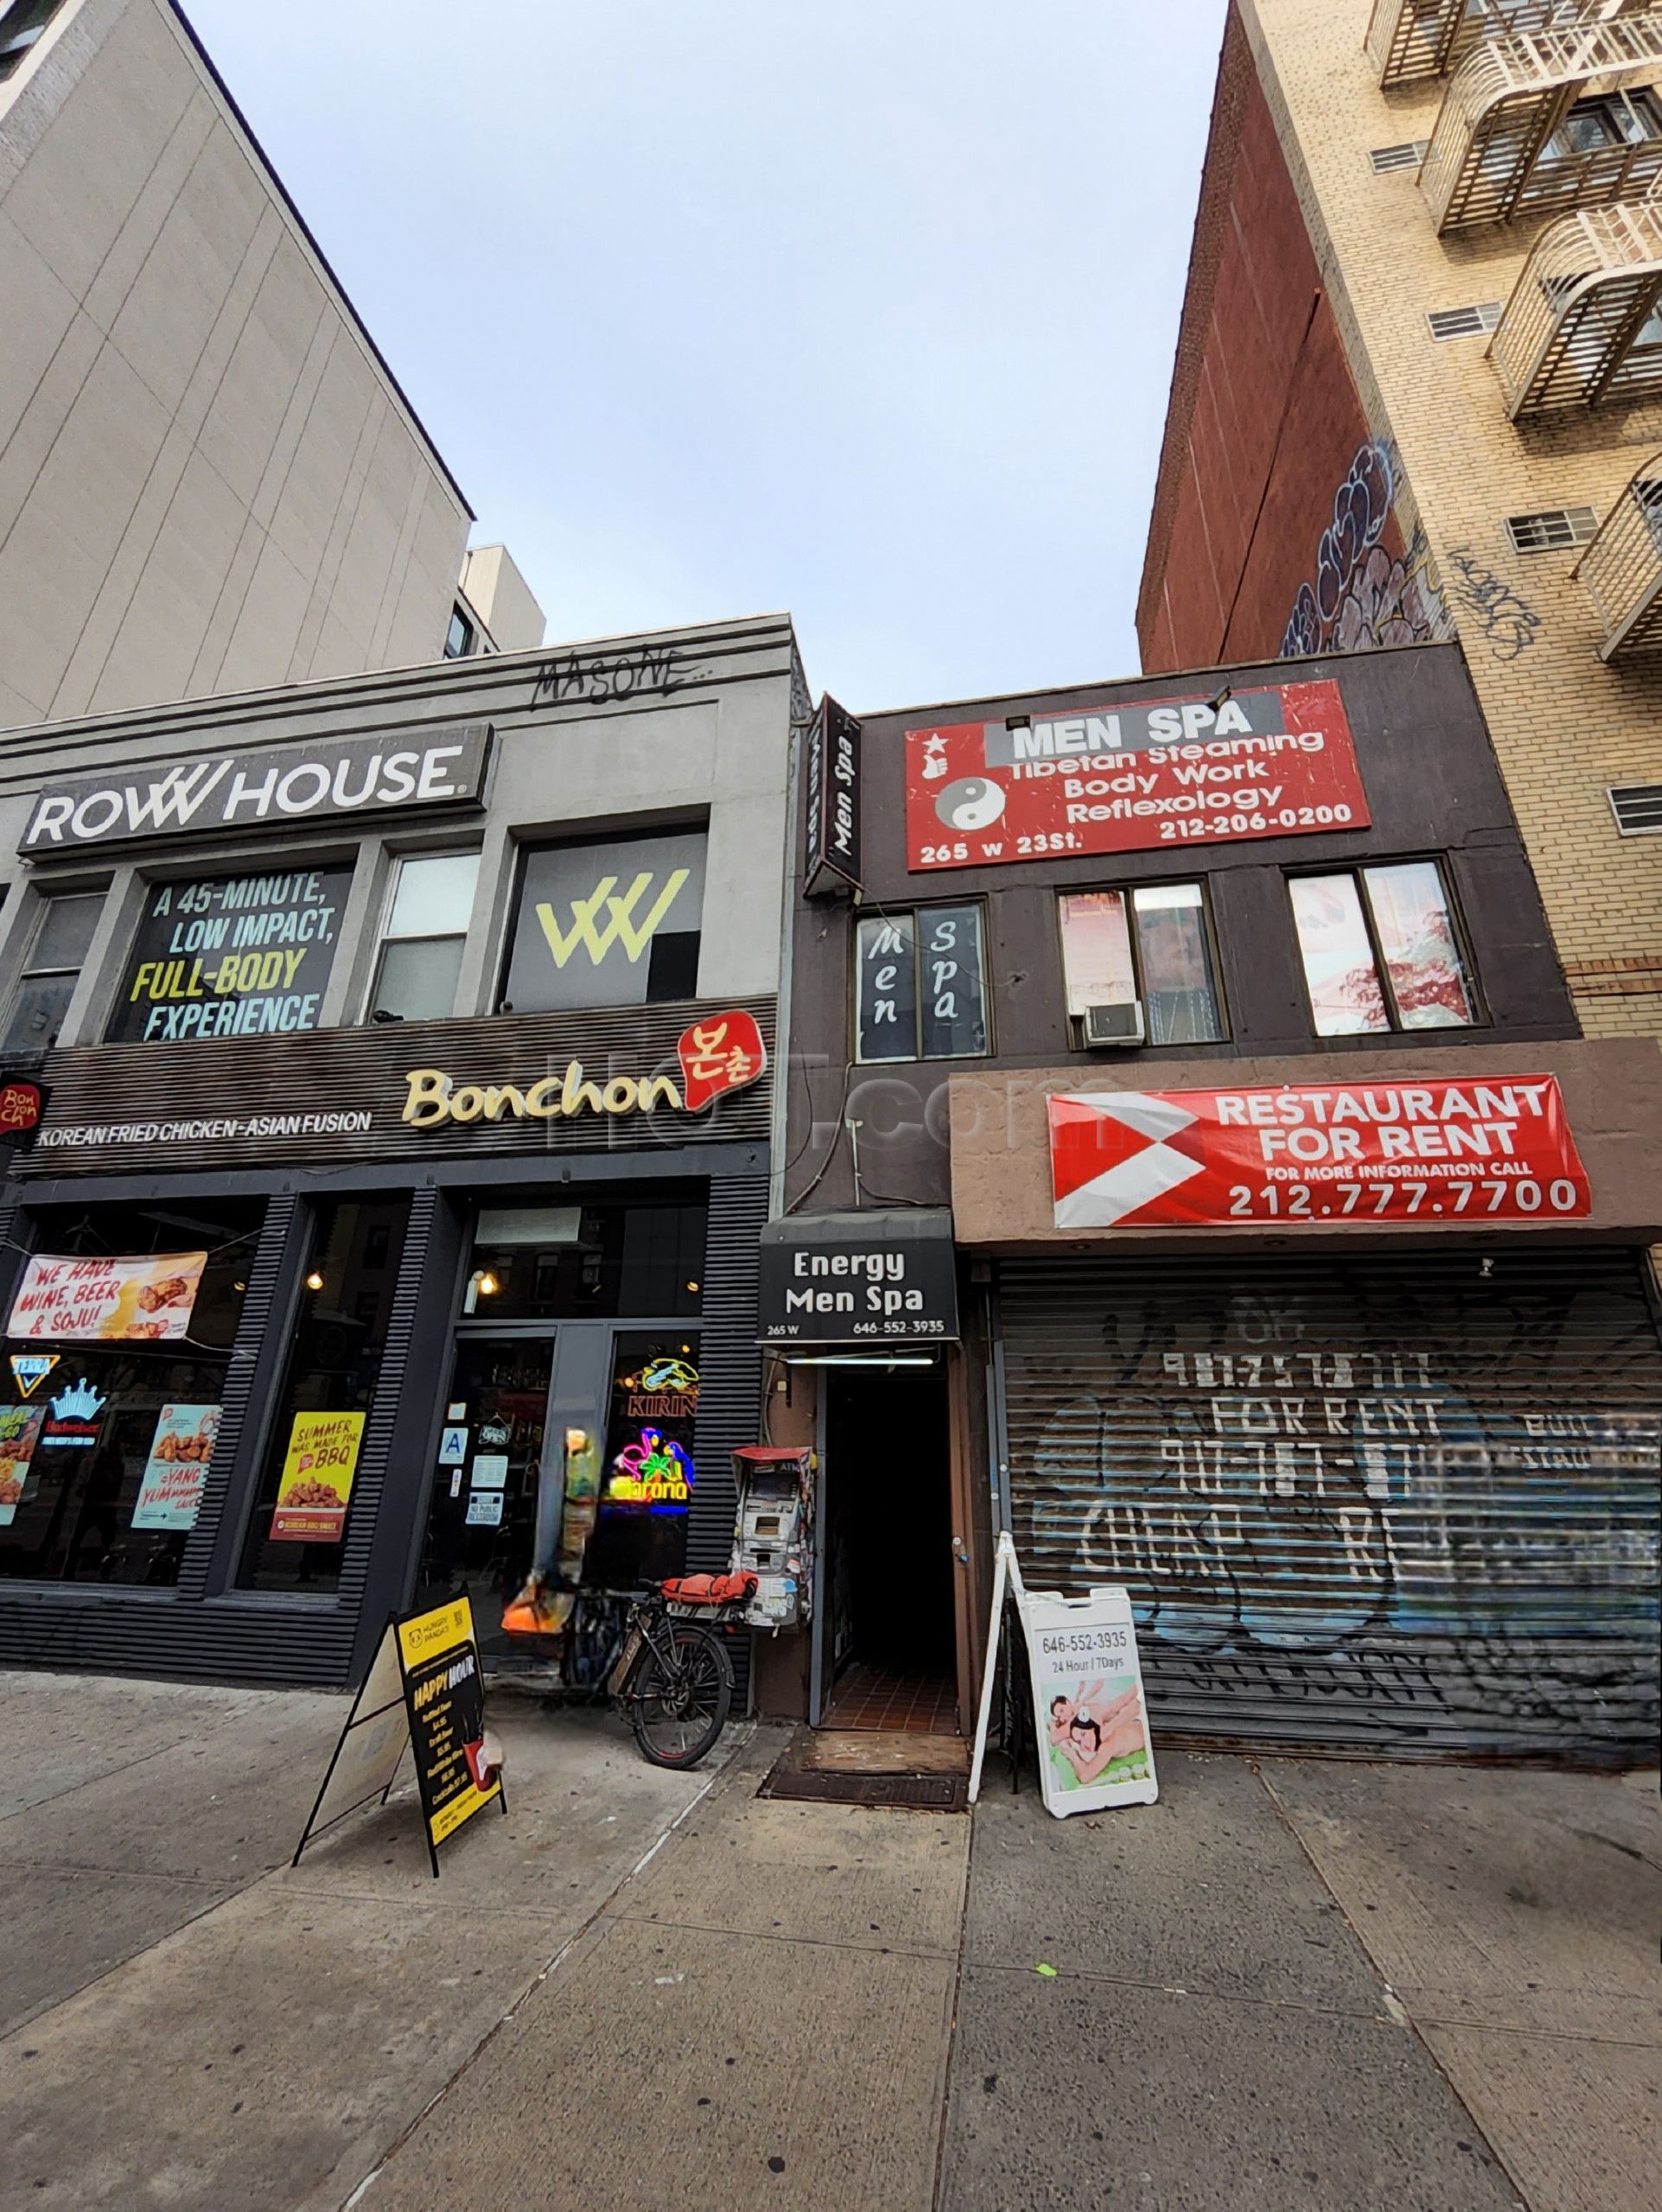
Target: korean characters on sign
point(724, 1051)
point(1485, 1149)
point(1273, 762)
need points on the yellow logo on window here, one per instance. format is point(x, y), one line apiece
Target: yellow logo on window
point(619, 927)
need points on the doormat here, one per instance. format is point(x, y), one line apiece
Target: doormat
point(790, 1776)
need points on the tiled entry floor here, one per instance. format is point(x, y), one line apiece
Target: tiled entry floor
point(881, 1697)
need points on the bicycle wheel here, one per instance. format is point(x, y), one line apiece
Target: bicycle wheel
point(681, 1705)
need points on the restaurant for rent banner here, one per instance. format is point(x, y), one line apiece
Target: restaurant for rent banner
point(1476, 1150)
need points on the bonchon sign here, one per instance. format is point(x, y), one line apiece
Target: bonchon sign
point(1273, 762)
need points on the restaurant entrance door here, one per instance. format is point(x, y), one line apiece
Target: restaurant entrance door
point(482, 1524)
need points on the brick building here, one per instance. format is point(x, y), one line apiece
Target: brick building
point(1418, 394)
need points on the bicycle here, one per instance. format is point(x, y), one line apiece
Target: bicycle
point(673, 1672)
point(591, 1641)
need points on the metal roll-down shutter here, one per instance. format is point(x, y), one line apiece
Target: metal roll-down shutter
point(1405, 1503)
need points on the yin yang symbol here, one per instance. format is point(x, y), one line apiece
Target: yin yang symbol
point(973, 803)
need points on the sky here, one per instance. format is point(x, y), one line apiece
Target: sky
point(859, 308)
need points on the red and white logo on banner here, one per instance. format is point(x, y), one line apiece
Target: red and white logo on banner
point(1490, 1148)
point(724, 1051)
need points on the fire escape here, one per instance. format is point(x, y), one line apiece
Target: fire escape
point(1547, 111)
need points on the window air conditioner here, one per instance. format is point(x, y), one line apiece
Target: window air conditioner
point(1114, 1024)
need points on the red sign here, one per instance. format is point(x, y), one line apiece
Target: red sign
point(722, 1052)
point(21, 1106)
point(1488, 1148)
point(1273, 762)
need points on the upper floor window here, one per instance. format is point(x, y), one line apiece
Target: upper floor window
point(1150, 948)
point(1609, 119)
point(52, 970)
point(920, 985)
point(607, 922)
point(420, 961)
point(1381, 950)
point(462, 635)
point(20, 25)
point(232, 956)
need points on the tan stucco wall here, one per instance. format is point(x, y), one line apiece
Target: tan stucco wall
point(208, 481)
point(1613, 1101)
point(1565, 726)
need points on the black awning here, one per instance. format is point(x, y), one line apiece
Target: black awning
point(871, 1279)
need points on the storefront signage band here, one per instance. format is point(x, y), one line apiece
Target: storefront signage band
point(836, 1280)
point(347, 1094)
point(1154, 774)
point(1447, 1155)
point(720, 1053)
point(228, 791)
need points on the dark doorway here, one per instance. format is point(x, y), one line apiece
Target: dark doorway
point(891, 1653)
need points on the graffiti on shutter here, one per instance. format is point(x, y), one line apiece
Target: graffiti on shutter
point(1398, 1503)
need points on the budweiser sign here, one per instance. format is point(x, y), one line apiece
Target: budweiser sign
point(1485, 1149)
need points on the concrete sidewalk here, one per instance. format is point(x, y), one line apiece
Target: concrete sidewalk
point(1315, 1986)
point(194, 2025)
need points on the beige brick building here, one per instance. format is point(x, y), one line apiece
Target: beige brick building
point(1420, 369)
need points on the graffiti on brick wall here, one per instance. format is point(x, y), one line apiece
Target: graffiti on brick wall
point(1506, 619)
point(1362, 595)
point(1304, 1523)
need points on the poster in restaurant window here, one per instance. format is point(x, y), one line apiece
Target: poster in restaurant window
point(232, 956)
point(175, 1474)
point(1157, 775)
point(20, 1432)
point(315, 1484)
point(68, 1300)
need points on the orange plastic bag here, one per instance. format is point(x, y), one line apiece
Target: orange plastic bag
point(537, 1610)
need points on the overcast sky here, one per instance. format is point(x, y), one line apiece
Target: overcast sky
point(863, 308)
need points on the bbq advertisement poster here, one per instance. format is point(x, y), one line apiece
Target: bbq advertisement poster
point(1150, 775)
point(315, 1484)
point(66, 1301)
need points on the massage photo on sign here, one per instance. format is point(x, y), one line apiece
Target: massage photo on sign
point(1099, 1726)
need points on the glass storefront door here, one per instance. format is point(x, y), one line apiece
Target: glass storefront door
point(482, 1524)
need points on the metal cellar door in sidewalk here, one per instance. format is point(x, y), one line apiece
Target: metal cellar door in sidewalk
point(1402, 1503)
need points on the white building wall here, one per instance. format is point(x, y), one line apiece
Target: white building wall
point(208, 481)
